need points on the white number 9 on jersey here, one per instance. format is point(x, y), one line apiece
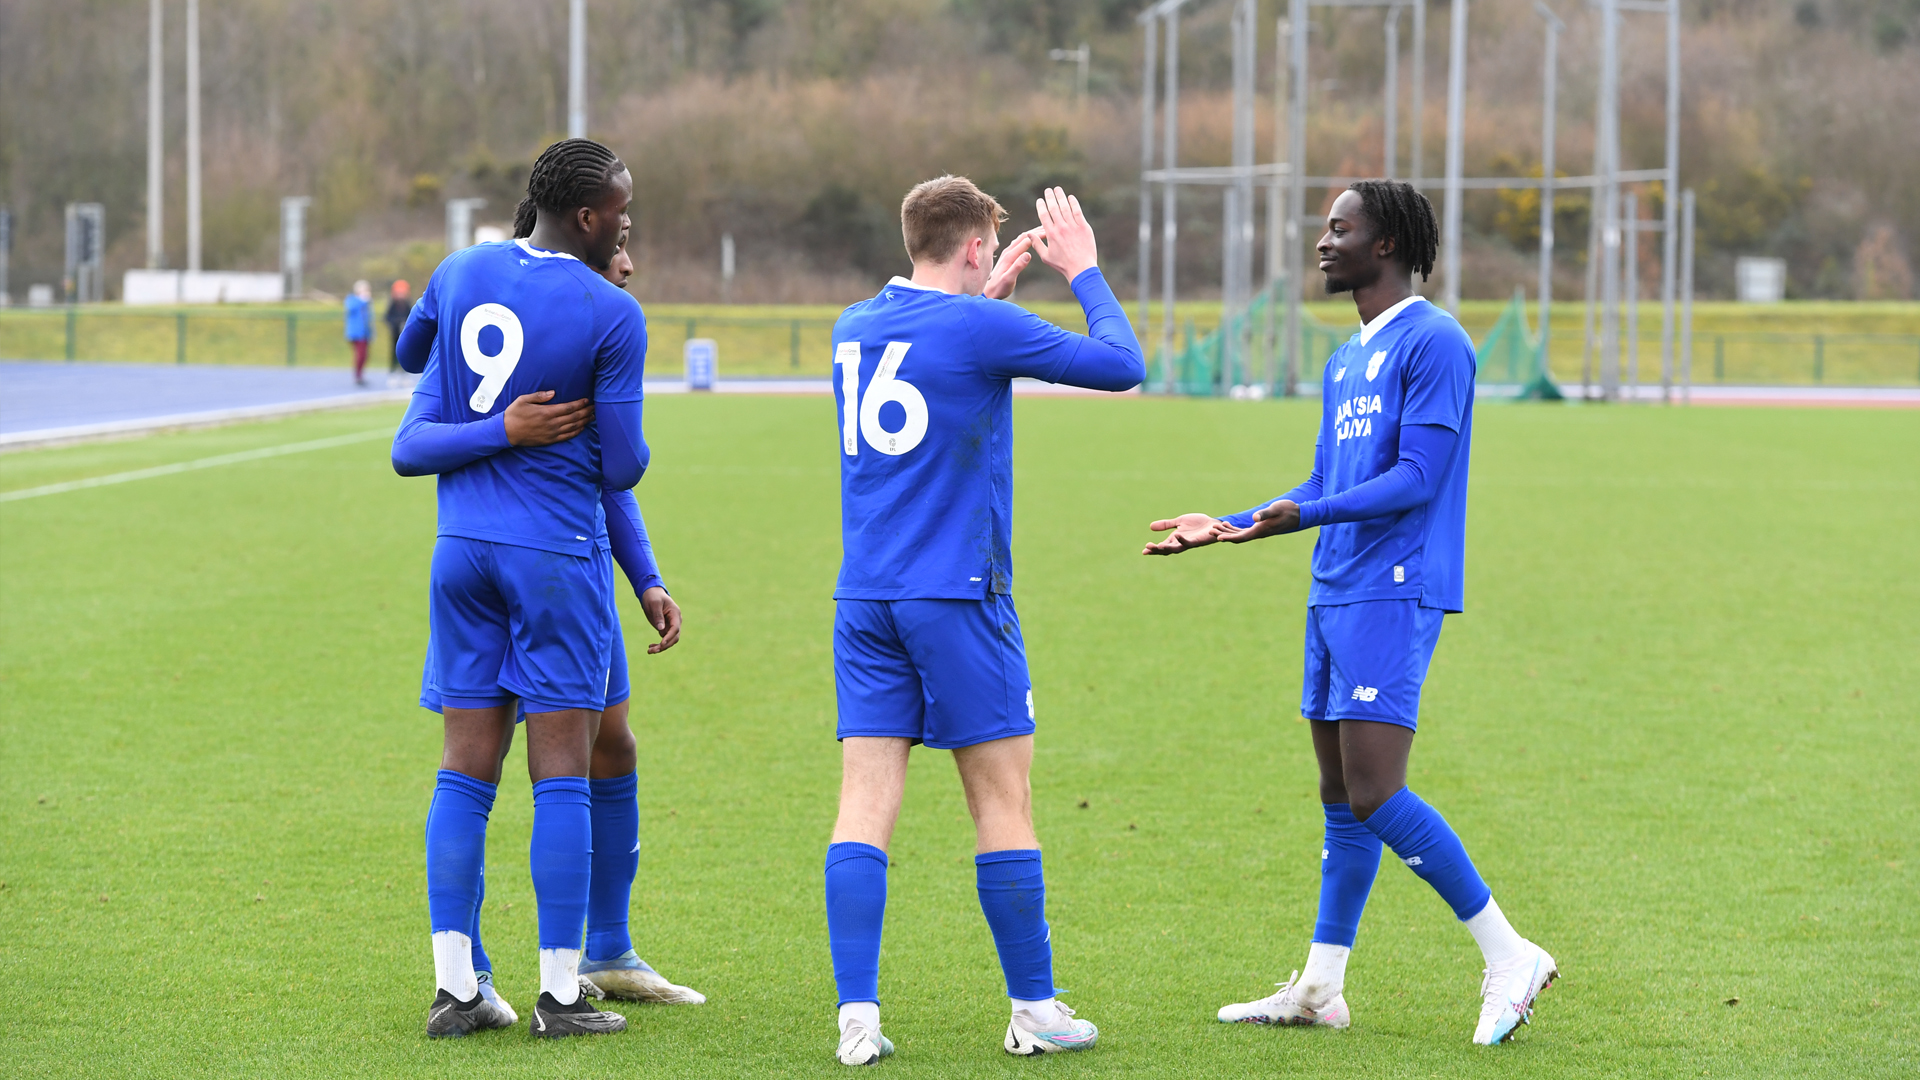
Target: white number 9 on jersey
point(863, 413)
point(493, 370)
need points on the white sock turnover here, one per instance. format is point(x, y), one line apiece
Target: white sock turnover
point(1499, 942)
point(865, 1013)
point(560, 975)
point(453, 964)
point(1039, 1015)
point(1325, 975)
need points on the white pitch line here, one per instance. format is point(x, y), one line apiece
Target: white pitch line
point(200, 463)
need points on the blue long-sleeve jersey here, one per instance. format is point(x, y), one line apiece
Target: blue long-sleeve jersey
point(508, 319)
point(925, 390)
point(1389, 482)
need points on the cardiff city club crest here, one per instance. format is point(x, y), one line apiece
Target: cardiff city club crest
point(1373, 365)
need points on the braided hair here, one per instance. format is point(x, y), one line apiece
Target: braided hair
point(571, 173)
point(1403, 215)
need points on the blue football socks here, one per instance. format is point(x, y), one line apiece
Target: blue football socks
point(1426, 843)
point(1349, 859)
point(456, 849)
point(481, 961)
point(856, 910)
point(616, 857)
point(1013, 895)
point(561, 857)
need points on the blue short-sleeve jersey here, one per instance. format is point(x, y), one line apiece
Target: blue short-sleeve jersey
point(509, 319)
point(1416, 369)
point(924, 384)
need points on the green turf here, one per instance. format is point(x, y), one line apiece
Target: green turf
point(1676, 727)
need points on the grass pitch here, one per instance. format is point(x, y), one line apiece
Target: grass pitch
point(1676, 728)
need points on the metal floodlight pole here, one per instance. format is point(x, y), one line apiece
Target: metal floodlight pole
point(1169, 192)
point(193, 136)
point(1630, 272)
point(156, 145)
point(1456, 147)
point(1669, 186)
point(1419, 92)
point(293, 244)
point(577, 69)
point(1276, 206)
point(1608, 200)
point(1686, 295)
point(1146, 165)
point(1296, 186)
point(1392, 138)
point(1549, 86)
point(1240, 219)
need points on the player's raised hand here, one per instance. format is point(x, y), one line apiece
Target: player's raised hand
point(664, 614)
point(1189, 531)
point(1277, 517)
point(1015, 257)
point(533, 422)
point(1065, 240)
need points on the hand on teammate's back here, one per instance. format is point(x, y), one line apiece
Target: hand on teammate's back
point(664, 614)
point(1064, 240)
point(533, 422)
point(1189, 531)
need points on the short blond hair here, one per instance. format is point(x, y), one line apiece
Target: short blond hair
point(941, 214)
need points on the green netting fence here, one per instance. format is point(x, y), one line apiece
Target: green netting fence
point(1233, 358)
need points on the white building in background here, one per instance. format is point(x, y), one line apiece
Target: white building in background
point(1758, 280)
point(201, 287)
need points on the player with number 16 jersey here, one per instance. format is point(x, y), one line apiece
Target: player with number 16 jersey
point(927, 645)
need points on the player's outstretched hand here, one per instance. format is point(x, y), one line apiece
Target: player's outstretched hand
point(1273, 519)
point(1064, 240)
point(1189, 531)
point(1015, 257)
point(533, 422)
point(664, 614)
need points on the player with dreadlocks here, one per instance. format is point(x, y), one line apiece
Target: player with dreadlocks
point(1388, 493)
point(521, 586)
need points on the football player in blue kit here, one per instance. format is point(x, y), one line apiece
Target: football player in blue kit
point(926, 643)
point(520, 594)
point(1388, 493)
point(424, 445)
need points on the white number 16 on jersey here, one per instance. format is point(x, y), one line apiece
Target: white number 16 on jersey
point(862, 416)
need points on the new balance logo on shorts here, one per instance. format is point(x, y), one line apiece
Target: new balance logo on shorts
point(1365, 693)
point(1415, 861)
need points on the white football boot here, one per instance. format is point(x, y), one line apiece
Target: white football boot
point(493, 996)
point(1063, 1034)
point(629, 978)
point(1284, 1007)
point(860, 1045)
point(1507, 993)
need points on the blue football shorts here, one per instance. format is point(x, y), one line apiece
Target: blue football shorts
point(619, 685)
point(1367, 661)
point(947, 673)
point(509, 622)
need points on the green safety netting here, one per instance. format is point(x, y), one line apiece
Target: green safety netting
point(1231, 360)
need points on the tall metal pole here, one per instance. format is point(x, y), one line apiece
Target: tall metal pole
point(1296, 186)
point(1668, 215)
point(1609, 199)
point(1686, 294)
point(1550, 82)
point(1240, 218)
point(193, 136)
point(1276, 204)
point(1169, 192)
point(1393, 94)
point(577, 69)
point(1146, 164)
point(1456, 147)
point(1630, 272)
point(1419, 95)
point(156, 145)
